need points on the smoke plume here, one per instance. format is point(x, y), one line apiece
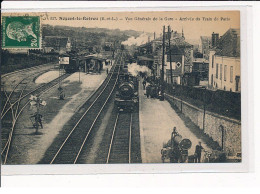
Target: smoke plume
point(142, 39)
point(134, 69)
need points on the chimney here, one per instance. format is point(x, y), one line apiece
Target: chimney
point(214, 39)
point(154, 36)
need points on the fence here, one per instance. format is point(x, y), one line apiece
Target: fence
point(221, 102)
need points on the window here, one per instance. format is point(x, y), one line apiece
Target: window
point(231, 74)
point(220, 73)
point(217, 71)
point(212, 61)
point(225, 73)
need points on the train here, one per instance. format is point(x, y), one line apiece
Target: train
point(73, 64)
point(127, 98)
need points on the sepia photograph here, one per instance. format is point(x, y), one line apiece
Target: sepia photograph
point(121, 87)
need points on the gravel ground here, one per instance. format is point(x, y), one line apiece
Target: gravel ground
point(28, 148)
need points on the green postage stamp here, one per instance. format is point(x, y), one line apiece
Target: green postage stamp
point(21, 32)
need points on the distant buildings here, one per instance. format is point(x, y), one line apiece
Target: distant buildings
point(224, 63)
point(181, 56)
point(204, 46)
point(56, 44)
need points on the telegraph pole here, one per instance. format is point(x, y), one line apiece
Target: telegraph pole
point(169, 37)
point(162, 78)
point(37, 116)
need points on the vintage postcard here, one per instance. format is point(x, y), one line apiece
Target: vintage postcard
point(121, 88)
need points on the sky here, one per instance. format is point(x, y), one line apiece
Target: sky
point(193, 23)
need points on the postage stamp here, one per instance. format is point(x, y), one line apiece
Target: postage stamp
point(21, 32)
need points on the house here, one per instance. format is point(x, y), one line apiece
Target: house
point(182, 50)
point(204, 46)
point(177, 68)
point(201, 66)
point(224, 63)
point(56, 44)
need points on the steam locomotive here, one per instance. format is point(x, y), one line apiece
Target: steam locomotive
point(127, 92)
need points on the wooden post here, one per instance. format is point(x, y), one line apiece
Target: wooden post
point(169, 37)
point(37, 114)
point(204, 107)
point(162, 78)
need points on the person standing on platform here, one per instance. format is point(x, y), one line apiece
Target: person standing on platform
point(144, 84)
point(198, 153)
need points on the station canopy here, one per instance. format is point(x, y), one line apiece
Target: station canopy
point(94, 57)
point(143, 58)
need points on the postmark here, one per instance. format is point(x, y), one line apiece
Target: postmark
point(21, 32)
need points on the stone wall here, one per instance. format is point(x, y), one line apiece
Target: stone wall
point(212, 125)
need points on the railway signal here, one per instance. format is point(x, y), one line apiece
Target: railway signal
point(37, 102)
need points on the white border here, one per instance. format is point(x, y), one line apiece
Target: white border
point(247, 84)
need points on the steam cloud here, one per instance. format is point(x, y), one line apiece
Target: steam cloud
point(142, 39)
point(134, 69)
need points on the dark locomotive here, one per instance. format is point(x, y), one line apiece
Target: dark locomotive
point(127, 92)
point(73, 65)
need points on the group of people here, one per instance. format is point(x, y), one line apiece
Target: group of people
point(153, 88)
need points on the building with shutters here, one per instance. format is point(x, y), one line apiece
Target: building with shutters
point(181, 55)
point(224, 63)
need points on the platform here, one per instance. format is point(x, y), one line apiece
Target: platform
point(157, 119)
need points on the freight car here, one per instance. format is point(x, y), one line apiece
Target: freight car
point(127, 93)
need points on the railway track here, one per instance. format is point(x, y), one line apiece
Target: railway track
point(36, 91)
point(24, 70)
point(121, 141)
point(72, 145)
point(16, 112)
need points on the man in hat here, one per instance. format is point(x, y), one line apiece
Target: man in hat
point(198, 153)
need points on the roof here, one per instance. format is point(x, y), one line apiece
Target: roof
point(200, 60)
point(174, 58)
point(229, 44)
point(55, 41)
point(176, 40)
point(94, 57)
point(142, 58)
